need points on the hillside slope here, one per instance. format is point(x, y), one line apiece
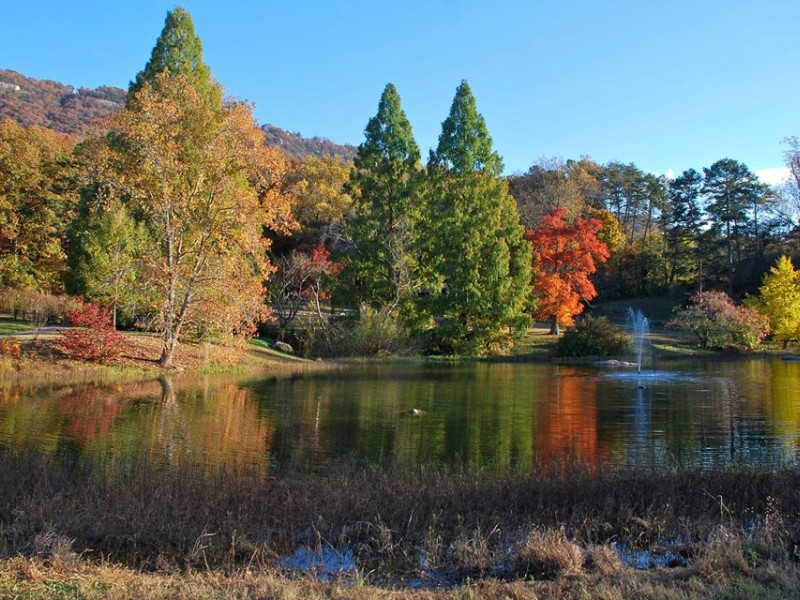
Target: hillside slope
point(83, 111)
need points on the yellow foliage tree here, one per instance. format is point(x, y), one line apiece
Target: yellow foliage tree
point(204, 184)
point(779, 300)
point(320, 193)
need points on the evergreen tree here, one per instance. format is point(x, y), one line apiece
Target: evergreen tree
point(480, 262)
point(684, 228)
point(732, 191)
point(384, 184)
point(179, 51)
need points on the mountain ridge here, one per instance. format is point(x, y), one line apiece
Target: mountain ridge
point(82, 112)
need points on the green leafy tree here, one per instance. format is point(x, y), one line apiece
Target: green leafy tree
point(779, 299)
point(111, 256)
point(480, 263)
point(384, 184)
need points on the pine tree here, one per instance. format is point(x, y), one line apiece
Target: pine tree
point(179, 51)
point(384, 184)
point(732, 190)
point(475, 243)
point(685, 224)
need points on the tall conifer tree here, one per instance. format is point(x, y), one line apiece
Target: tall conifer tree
point(475, 240)
point(179, 51)
point(384, 184)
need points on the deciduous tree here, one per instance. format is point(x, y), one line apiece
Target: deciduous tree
point(554, 183)
point(195, 171)
point(564, 255)
point(717, 322)
point(36, 203)
point(319, 190)
point(192, 174)
point(301, 278)
point(779, 300)
point(111, 256)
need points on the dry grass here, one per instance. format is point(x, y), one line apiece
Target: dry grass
point(26, 578)
point(548, 553)
point(194, 533)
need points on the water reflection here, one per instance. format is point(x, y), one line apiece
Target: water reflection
point(495, 416)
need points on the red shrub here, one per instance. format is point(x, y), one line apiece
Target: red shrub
point(94, 337)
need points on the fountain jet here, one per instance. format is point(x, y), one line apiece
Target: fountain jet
point(640, 330)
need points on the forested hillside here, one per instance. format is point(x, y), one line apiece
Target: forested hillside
point(297, 147)
point(63, 108)
point(82, 111)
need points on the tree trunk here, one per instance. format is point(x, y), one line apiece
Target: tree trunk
point(167, 349)
point(729, 246)
point(554, 327)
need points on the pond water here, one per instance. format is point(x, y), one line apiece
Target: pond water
point(478, 415)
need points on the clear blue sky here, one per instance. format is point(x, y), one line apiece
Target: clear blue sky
point(666, 85)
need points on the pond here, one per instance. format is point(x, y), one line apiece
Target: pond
point(471, 415)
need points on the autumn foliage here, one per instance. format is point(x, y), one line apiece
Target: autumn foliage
point(93, 338)
point(780, 300)
point(564, 255)
point(717, 322)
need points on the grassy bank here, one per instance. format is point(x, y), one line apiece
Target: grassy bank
point(561, 533)
point(40, 358)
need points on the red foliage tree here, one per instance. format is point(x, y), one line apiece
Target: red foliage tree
point(301, 278)
point(564, 255)
point(94, 337)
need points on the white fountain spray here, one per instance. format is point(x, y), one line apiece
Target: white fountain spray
point(640, 330)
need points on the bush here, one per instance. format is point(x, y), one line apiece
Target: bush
point(593, 337)
point(94, 337)
point(35, 307)
point(718, 323)
point(375, 332)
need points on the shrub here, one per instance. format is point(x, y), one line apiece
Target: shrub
point(717, 322)
point(375, 332)
point(593, 337)
point(10, 348)
point(35, 307)
point(94, 337)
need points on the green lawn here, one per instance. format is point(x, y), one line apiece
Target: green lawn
point(657, 309)
point(10, 325)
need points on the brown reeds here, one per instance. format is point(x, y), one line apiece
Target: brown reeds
point(560, 528)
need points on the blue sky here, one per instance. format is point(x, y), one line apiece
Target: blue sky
point(666, 85)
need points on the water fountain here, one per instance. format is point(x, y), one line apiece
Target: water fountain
point(640, 329)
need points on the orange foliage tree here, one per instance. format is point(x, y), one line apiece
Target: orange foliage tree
point(564, 255)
